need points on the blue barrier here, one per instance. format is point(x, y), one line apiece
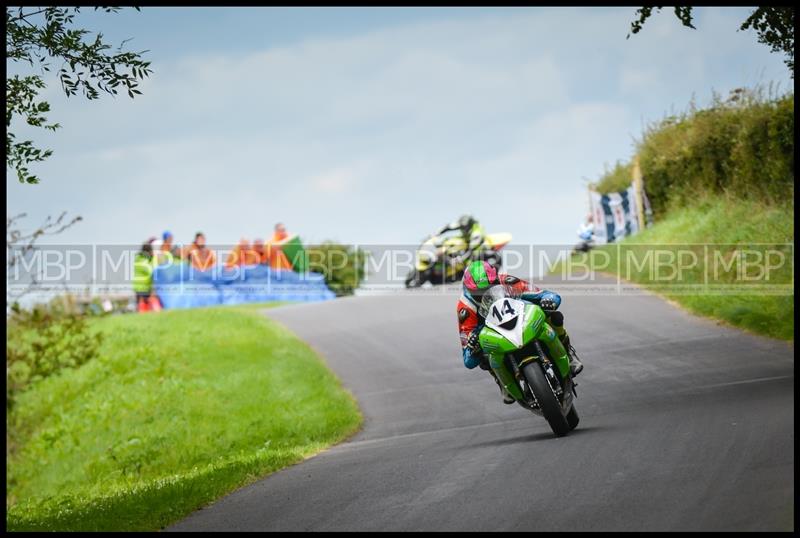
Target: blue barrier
point(182, 286)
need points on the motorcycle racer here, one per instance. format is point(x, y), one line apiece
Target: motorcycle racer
point(478, 278)
point(473, 233)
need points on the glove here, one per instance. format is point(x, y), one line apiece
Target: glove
point(473, 344)
point(462, 258)
point(549, 301)
point(471, 359)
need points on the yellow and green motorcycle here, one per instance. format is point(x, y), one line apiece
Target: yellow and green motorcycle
point(528, 358)
point(438, 259)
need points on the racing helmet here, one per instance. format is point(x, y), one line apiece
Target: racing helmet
point(465, 222)
point(479, 276)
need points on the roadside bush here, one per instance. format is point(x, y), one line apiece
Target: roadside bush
point(343, 266)
point(43, 341)
point(615, 179)
point(742, 147)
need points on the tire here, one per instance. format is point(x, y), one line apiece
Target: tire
point(412, 280)
point(548, 403)
point(573, 418)
point(455, 278)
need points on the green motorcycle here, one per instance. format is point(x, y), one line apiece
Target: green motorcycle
point(528, 358)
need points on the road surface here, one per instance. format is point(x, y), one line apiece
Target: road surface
point(685, 425)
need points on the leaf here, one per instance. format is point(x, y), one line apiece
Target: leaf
point(54, 37)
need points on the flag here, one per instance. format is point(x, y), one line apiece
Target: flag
point(615, 215)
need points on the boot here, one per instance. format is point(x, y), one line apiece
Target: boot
point(575, 364)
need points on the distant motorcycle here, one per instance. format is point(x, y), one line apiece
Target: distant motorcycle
point(586, 236)
point(517, 335)
point(438, 258)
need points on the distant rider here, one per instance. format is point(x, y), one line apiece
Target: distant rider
point(473, 234)
point(478, 278)
point(586, 234)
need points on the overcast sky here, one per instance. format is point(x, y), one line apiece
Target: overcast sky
point(373, 125)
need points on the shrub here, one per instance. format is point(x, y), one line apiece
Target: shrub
point(742, 147)
point(615, 179)
point(43, 341)
point(343, 266)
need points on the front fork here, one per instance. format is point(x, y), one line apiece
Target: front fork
point(555, 349)
point(506, 378)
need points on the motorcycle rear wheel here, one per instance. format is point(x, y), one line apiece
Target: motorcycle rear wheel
point(548, 402)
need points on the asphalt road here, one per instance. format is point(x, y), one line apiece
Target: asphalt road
point(685, 425)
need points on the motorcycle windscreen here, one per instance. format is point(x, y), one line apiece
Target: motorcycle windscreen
point(495, 293)
point(498, 240)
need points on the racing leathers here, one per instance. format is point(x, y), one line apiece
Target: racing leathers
point(474, 236)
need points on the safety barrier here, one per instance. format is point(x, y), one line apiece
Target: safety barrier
point(182, 286)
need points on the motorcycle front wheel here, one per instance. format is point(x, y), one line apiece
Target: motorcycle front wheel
point(573, 418)
point(546, 396)
point(413, 279)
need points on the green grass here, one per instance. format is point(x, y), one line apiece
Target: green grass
point(721, 174)
point(735, 222)
point(180, 408)
point(255, 307)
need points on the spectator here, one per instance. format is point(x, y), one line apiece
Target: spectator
point(242, 254)
point(169, 247)
point(277, 259)
point(258, 248)
point(201, 257)
point(143, 265)
point(159, 256)
point(280, 233)
point(237, 253)
point(166, 237)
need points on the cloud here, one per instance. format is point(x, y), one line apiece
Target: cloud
point(382, 135)
point(334, 181)
point(635, 80)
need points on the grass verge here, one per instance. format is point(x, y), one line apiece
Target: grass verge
point(748, 293)
point(181, 407)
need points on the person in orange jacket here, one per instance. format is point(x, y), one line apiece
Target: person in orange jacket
point(201, 257)
point(242, 255)
point(280, 233)
point(277, 259)
point(258, 248)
